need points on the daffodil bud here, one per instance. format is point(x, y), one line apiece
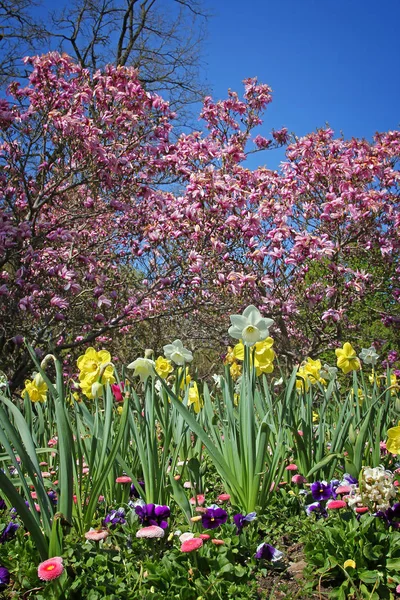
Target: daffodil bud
point(97, 389)
point(46, 359)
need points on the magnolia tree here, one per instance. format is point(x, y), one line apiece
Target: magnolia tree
point(105, 222)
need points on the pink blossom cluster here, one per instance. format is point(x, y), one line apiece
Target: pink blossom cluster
point(105, 219)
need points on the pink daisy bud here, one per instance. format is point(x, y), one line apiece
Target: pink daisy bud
point(95, 535)
point(51, 568)
point(199, 500)
point(335, 504)
point(292, 467)
point(153, 531)
point(298, 479)
point(343, 489)
point(192, 544)
point(123, 479)
point(217, 542)
point(224, 497)
point(204, 536)
point(361, 509)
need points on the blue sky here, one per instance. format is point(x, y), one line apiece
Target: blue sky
point(327, 61)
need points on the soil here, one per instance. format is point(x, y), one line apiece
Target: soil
point(290, 582)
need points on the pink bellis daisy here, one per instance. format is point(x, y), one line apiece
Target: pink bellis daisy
point(153, 531)
point(51, 568)
point(192, 544)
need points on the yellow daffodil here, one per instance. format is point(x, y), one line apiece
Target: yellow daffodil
point(347, 358)
point(194, 398)
point(361, 396)
point(236, 370)
point(393, 442)
point(263, 355)
point(35, 388)
point(185, 380)
point(313, 370)
point(394, 384)
point(92, 365)
point(230, 357)
point(315, 417)
point(163, 367)
point(374, 378)
point(302, 380)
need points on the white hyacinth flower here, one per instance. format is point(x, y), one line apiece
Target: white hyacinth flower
point(250, 327)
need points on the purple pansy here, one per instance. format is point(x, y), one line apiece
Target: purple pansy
point(316, 508)
point(134, 492)
point(268, 552)
point(348, 479)
point(114, 518)
point(153, 514)
point(321, 490)
point(242, 520)
point(9, 532)
point(214, 517)
point(391, 515)
point(4, 576)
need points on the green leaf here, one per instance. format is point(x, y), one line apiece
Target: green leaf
point(368, 576)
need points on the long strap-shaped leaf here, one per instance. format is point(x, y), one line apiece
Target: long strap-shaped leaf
point(25, 514)
point(216, 456)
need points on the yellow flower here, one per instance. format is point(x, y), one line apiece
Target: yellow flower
point(302, 381)
point(393, 442)
point(374, 378)
point(347, 358)
point(313, 368)
point(163, 367)
point(349, 563)
point(394, 385)
point(120, 409)
point(229, 358)
point(263, 355)
point(91, 365)
point(185, 380)
point(315, 417)
point(236, 370)
point(36, 389)
point(194, 398)
point(360, 394)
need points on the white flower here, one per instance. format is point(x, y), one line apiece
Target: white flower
point(250, 327)
point(327, 372)
point(3, 380)
point(177, 353)
point(369, 356)
point(217, 380)
point(144, 368)
point(188, 535)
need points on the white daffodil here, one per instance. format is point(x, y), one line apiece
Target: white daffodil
point(369, 356)
point(144, 368)
point(329, 373)
point(250, 327)
point(177, 353)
